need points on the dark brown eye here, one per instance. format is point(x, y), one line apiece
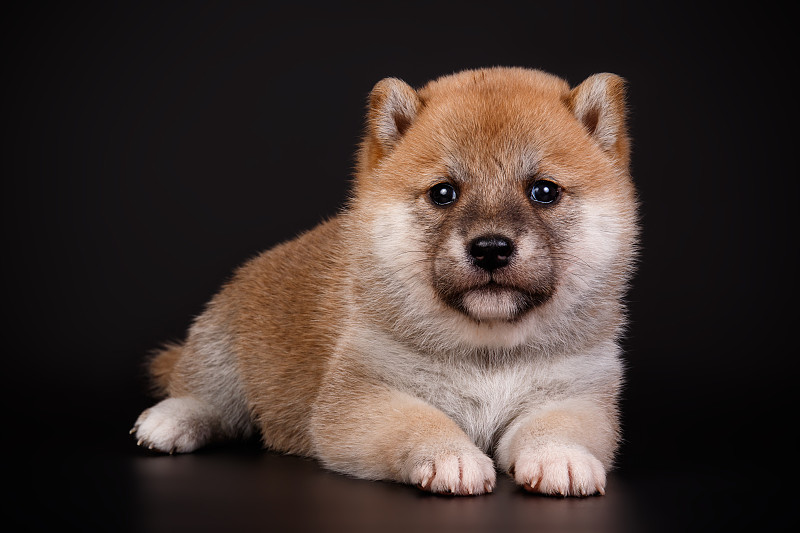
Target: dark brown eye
point(545, 192)
point(443, 194)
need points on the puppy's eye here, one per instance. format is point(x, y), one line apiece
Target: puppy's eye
point(443, 194)
point(545, 192)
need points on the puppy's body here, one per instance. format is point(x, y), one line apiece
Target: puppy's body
point(430, 326)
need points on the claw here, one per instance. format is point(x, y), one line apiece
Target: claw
point(132, 431)
point(532, 485)
point(139, 442)
point(425, 483)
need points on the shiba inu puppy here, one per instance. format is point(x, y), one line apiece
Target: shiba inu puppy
point(459, 316)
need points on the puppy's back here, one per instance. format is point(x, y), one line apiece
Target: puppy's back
point(260, 348)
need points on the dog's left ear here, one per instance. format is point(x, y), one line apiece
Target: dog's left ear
point(393, 106)
point(599, 104)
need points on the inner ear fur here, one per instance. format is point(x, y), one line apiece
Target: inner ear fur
point(393, 106)
point(599, 104)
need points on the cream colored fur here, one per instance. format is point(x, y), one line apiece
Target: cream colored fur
point(376, 345)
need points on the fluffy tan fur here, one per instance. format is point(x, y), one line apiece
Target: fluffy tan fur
point(377, 344)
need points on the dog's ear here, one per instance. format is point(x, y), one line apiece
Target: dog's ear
point(393, 106)
point(599, 104)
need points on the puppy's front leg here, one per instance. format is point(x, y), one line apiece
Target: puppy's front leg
point(374, 432)
point(565, 448)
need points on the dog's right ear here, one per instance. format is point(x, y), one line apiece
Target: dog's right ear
point(393, 106)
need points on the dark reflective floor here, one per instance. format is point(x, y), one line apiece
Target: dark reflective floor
point(242, 488)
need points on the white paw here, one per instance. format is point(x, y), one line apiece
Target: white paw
point(463, 473)
point(175, 425)
point(562, 469)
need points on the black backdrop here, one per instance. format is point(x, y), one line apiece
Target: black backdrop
point(150, 149)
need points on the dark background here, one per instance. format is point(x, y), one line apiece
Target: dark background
point(149, 149)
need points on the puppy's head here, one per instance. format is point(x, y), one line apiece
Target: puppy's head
point(497, 199)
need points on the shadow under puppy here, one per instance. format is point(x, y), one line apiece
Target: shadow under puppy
point(465, 304)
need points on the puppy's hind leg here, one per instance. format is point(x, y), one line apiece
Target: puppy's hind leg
point(181, 425)
point(204, 403)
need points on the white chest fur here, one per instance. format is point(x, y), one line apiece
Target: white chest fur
point(483, 398)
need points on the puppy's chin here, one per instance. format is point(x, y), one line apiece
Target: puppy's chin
point(493, 304)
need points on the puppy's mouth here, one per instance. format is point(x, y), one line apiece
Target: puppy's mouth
point(493, 301)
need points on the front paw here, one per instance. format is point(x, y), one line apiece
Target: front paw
point(560, 469)
point(465, 472)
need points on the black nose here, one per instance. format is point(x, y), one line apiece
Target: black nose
point(491, 252)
